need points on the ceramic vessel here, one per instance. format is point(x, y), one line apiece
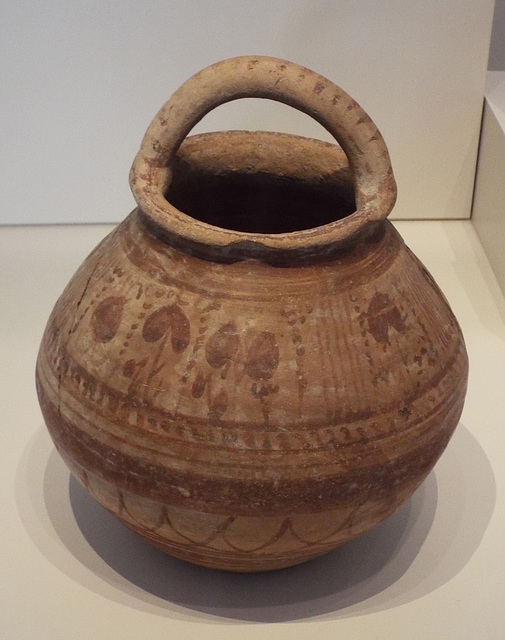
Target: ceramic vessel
point(253, 368)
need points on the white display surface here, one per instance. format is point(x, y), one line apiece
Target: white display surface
point(81, 81)
point(433, 570)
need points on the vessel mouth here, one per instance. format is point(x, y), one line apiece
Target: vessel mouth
point(233, 195)
point(260, 202)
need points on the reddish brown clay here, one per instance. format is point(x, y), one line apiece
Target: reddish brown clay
point(269, 374)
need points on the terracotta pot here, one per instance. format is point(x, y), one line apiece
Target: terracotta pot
point(253, 369)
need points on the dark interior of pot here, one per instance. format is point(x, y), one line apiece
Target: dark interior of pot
point(260, 202)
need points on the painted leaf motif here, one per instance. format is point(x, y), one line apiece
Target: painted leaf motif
point(169, 318)
point(107, 317)
point(222, 346)
point(262, 357)
point(383, 314)
point(180, 330)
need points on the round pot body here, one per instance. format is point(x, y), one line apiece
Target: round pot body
point(249, 407)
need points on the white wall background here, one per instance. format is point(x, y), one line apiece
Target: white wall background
point(82, 80)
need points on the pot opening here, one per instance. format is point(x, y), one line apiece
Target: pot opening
point(260, 202)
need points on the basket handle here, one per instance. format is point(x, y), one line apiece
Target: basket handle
point(275, 79)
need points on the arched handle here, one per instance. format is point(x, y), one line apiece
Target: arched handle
point(283, 81)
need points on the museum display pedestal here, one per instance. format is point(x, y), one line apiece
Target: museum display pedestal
point(488, 214)
point(433, 570)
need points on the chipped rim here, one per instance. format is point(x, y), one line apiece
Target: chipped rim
point(282, 81)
